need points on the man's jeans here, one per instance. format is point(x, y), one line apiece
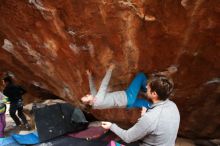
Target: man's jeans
point(138, 83)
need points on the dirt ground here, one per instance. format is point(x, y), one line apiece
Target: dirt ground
point(11, 129)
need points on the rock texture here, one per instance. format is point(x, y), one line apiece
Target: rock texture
point(47, 45)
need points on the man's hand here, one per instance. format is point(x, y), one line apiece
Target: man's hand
point(143, 111)
point(106, 125)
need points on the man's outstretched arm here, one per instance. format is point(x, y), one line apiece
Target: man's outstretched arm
point(142, 128)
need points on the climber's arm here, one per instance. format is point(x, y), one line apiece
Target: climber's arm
point(91, 84)
point(104, 85)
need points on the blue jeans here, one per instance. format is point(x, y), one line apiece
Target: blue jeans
point(138, 83)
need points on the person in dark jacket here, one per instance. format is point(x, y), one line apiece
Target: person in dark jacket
point(14, 94)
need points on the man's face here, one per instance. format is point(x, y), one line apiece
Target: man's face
point(150, 95)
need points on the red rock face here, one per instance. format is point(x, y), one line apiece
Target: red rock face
point(49, 44)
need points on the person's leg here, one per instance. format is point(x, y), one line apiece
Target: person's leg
point(12, 111)
point(139, 82)
point(4, 122)
point(2, 125)
point(21, 115)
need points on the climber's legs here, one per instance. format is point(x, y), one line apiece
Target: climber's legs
point(139, 82)
point(140, 102)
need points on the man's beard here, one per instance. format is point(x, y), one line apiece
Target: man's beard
point(149, 99)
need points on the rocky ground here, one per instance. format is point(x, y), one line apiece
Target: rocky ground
point(10, 126)
point(11, 129)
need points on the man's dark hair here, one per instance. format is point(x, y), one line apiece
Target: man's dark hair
point(162, 85)
point(8, 80)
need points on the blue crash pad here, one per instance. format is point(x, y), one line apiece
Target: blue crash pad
point(8, 141)
point(27, 139)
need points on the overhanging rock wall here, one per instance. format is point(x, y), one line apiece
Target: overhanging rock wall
point(49, 44)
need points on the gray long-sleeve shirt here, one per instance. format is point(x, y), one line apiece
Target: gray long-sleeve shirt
point(157, 127)
point(104, 99)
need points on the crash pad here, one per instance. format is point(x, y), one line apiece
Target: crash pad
point(70, 141)
point(113, 143)
point(49, 122)
point(56, 120)
point(8, 141)
point(27, 139)
point(78, 116)
point(90, 133)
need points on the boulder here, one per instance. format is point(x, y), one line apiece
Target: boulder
point(47, 46)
